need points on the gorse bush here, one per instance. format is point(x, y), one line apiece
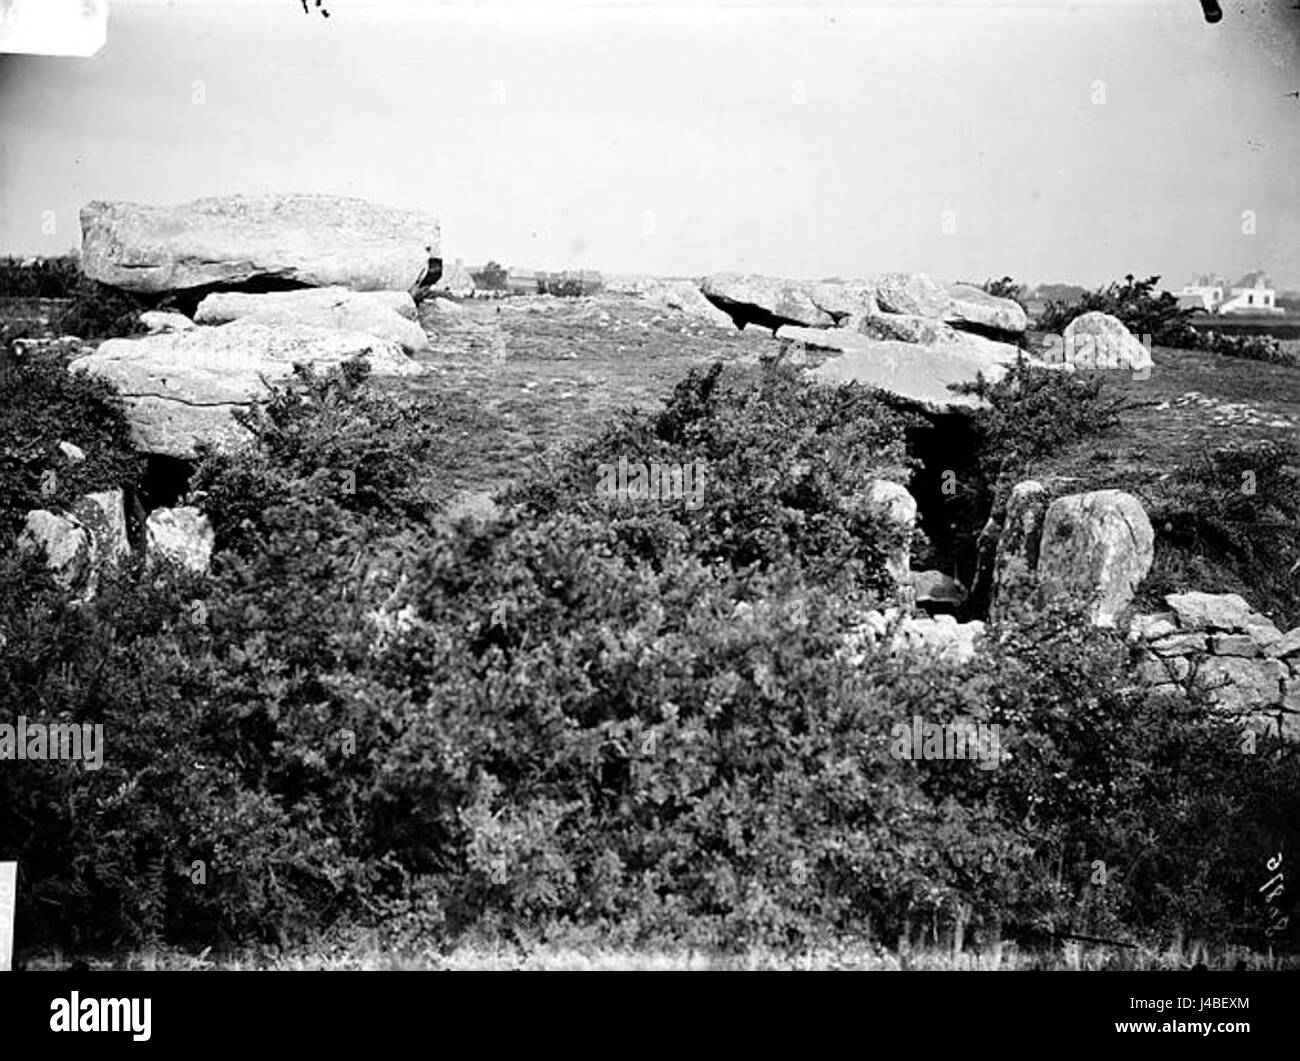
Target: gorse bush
point(332, 437)
point(1252, 347)
point(783, 468)
point(97, 311)
point(44, 405)
point(632, 715)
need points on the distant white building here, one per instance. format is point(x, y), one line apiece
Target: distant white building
point(1251, 294)
point(1204, 293)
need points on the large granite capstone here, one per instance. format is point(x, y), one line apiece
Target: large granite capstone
point(311, 240)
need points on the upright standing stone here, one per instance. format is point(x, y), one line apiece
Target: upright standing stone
point(1096, 547)
point(1016, 564)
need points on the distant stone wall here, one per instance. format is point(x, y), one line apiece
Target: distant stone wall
point(1249, 667)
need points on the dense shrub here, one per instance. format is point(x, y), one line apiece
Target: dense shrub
point(335, 437)
point(97, 311)
point(43, 405)
point(785, 467)
point(635, 716)
point(39, 277)
point(1252, 347)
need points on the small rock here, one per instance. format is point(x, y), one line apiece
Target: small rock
point(1234, 645)
point(1214, 611)
point(74, 453)
point(183, 535)
point(1178, 645)
point(1264, 634)
point(934, 588)
point(1241, 685)
point(1163, 671)
point(1151, 627)
point(67, 545)
point(159, 320)
point(1286, 646)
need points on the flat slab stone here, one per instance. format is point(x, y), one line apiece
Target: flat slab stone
point(916, 373)
point(387, 315)
point(316, 240)
point(182, 388)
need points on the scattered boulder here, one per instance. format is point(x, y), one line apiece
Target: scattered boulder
point(161, 320)
point(1098, 341)
point(939, 637)
point(67, 545)
point(943, 636)
point(765, 301)
point(844, 300)
point(73, 452)
point(80, 544)
point(912, 294)
point(182, 535)
point(935, 591)
point(310, 240)
point(1096, 546)
point(974, 305)
point(180, 388)
point(918, 295)
point(389, 315)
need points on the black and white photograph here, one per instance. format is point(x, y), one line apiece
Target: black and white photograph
point(704, 486)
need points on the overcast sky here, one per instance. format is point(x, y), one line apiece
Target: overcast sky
point(797, 139)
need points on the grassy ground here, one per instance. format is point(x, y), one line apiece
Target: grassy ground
point(544, 371)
